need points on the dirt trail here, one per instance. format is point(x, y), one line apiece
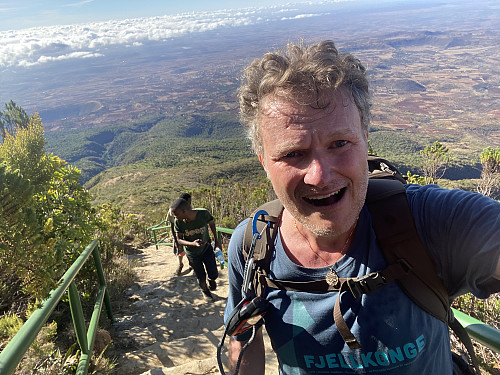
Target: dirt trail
point(166, 326)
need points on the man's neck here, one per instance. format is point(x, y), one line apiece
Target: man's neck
point(303, 246)
point(191, 215)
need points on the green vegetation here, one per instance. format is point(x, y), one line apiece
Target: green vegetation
point(46, 214)
point(142, 166)
point(46, 220)
point(12, 117)
point(490, 174)
point(159, 141)
point(230, 203)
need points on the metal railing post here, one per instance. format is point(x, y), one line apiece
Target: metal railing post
point(78, 318)
point(14, 351)
point(155, 240)
point(84, 363)
point(102, 282)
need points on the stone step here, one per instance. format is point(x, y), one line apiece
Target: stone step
point(172, 353)
point(204, 366)
point(204, 360)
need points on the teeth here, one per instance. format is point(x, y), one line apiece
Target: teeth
point(318, 197)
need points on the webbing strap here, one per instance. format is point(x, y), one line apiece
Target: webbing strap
point(357, 286)
point(464, 337)
point(365, 285)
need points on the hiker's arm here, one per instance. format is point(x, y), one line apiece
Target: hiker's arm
point(497, 272)
point(183, 242)
point(253, 361)
point(174, 234)
point(211, 224)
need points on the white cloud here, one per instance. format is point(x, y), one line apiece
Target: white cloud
point(46, 59)
point(299, 16)
point(28, 47)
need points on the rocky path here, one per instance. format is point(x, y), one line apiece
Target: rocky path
point(166, 325)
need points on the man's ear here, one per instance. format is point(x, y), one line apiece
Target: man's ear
point(262, 162)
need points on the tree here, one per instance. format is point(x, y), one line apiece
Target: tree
point(46, 215)
point(436, 159)
point(11, 118)
point(230, 203)
point(490, 174)
point(24, 150)
point(21, 244)
point(414, 178)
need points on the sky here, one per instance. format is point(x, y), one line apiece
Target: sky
point(21, 14)
point(54, 30)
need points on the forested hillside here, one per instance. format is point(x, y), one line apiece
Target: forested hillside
point(142, 165)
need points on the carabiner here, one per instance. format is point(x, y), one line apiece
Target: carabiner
point(254, 222)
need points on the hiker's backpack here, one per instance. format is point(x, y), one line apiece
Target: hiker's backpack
point(407, 259)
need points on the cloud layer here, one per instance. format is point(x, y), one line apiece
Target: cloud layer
point(35, 46)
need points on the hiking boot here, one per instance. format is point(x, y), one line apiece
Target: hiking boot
point(179, 269)
point(203, 284)
point(212, 285)
point(207, 294)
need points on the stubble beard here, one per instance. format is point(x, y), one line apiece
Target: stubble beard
point(344, 225)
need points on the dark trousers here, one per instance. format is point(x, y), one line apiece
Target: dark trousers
point(203, 265)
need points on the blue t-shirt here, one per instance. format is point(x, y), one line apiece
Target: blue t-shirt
point(461, 230)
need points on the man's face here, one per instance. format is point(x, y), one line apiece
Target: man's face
point(316, 160)
point(180, 214)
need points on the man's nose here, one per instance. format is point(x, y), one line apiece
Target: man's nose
point(319, 172)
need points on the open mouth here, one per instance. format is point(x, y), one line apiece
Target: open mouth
point(326, 200)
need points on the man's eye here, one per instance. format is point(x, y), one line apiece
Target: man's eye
point(340, 143)
point(292, 154)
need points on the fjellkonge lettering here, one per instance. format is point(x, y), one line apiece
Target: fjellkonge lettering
point(393, 356)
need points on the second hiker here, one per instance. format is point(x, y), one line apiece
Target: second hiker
point(192, 229)
point(178, 249)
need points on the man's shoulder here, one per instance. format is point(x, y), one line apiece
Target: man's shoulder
point(242, 226)
point(434, 196)
point(239, 231)
point(170, 216)
point(203, 215)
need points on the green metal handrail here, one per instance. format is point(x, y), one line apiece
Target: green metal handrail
point(479, 331)
point(158, 238)
point(13, 353)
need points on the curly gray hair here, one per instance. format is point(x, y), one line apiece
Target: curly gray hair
point(301, 71)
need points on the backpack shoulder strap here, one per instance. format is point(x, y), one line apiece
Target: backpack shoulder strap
point(398, 239)
point(264, 246)
point(274, 209)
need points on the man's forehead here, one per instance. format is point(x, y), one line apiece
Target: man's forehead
point(299, 110)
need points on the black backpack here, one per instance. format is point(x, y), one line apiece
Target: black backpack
point(408, 261)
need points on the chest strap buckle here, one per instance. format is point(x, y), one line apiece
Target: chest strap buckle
point(365, 284)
